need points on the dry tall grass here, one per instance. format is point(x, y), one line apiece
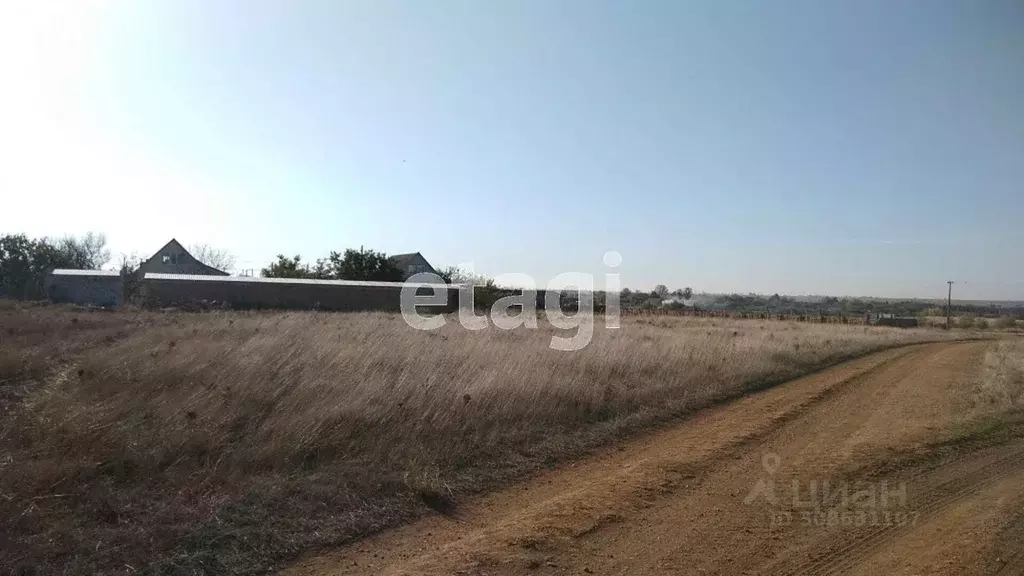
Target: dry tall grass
point(225, 442)
point(1000, 389)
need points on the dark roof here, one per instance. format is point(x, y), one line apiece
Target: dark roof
point(213, 271)
point(403, 260)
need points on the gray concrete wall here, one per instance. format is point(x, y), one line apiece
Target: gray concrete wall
point(87, 290)
point(242, 294)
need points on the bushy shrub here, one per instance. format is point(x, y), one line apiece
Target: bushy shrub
point(1005, 322)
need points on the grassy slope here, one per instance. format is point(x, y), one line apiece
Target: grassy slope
point(224, 443)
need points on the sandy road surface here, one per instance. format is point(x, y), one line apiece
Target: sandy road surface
point(740, 489)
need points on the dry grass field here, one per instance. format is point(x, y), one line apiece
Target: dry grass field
point(227, 442)
point(1000, 389)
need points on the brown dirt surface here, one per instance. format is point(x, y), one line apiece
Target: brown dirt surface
point(924, 494)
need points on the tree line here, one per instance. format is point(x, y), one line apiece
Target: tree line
point(655, 298)
point(351, 264)
point(25, 261)
point(362, 264)
point(847, 306)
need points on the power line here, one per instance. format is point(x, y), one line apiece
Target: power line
point(949, 302)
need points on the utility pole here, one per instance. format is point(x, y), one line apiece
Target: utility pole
point(949, 302)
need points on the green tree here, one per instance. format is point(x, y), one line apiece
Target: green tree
point(24, 262)
point(350, 265)
point(661, 291)
point(285, 267)
point(364, 265)
point(16, 265)
point(321, 270)
point(456, 275)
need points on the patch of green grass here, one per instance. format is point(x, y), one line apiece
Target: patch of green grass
point(992, 428)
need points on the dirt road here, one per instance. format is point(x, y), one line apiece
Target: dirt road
point(841, 472)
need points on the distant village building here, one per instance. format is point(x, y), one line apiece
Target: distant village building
point(413, 263)
point(174, 259)
point(86, 287)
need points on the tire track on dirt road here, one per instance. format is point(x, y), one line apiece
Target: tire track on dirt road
point(947, 488)
point(1011, 541)
point(672, 502)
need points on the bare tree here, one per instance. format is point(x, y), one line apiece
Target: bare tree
point(88, 252)
point(129, 263)
point(215, 257)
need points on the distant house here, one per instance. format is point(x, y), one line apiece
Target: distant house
point(413, 263)
point(174, 259)
point(86, 287)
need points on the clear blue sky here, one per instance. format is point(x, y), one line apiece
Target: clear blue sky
point(860, 147)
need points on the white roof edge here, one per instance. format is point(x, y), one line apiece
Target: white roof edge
point(76, 272)
point(204, 278)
